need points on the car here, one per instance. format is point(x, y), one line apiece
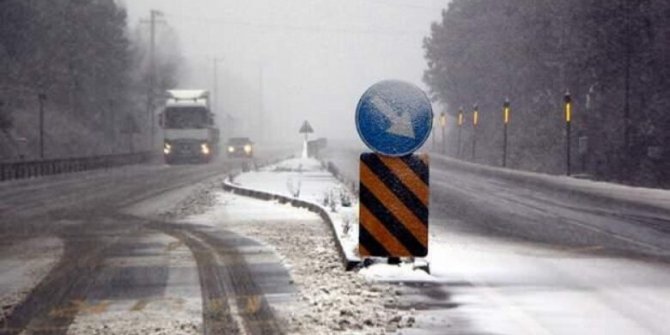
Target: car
point(240, 147)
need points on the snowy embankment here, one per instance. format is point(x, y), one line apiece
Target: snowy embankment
point(307, 183)
point(644, 199)
point(329, 300)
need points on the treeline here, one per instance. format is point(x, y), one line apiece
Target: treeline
point(612, 56)
point(92, 75)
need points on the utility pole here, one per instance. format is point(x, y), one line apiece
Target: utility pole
point(568, 121)
point(153, 20)
point(41, 98)
point(152, 77)
point(506, 111)
point(475, 122)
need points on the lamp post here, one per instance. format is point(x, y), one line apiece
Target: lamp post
point(506, 115)
point(568, 120)
point(461, 119)
point(443, 125)
point(475, 122)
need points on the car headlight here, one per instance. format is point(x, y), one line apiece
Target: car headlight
point(247, 148)
point(231, 149)
point(204, 148)
point(167, 148)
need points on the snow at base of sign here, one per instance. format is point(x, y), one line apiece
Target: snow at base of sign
point(402, 273)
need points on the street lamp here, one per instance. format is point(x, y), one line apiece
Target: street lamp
point(506, 112)
point(568, 120)
point(461, 119)
point(475, 122)
point(443, 125)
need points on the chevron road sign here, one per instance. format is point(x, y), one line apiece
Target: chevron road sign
point(394, 198)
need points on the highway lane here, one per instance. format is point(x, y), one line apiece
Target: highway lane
point(116, 253)
point(511, 257)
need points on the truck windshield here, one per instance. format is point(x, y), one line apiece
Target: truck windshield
point(186, 117)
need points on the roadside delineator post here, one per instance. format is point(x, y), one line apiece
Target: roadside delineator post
point(568, 121)
point(394, 119)
point(506, 115)
point(305, 129)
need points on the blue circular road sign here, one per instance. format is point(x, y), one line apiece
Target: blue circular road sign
point(394, 118)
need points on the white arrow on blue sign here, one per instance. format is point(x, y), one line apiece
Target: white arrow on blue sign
point(394, 118)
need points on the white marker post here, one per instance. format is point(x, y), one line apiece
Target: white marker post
point(306, 129)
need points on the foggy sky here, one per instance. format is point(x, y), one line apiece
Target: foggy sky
point(312, 59)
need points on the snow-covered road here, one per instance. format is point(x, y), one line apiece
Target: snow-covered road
point(159, 250)
point(537, 255)
point(108, 252)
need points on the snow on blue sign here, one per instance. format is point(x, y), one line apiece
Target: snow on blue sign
point(394, 118)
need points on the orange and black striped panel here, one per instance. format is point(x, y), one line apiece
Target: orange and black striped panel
point(393, 206)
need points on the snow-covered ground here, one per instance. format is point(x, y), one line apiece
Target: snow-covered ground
point(331, 300)
point(576, 278)
point(309, 180)
point(22, 266)
point(177, 310)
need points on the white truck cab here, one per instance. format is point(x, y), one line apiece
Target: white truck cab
point(188, 127)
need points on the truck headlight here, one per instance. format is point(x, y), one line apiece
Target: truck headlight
point(231, 149)
point(167, 148)
point(204, 148)
point(247, 148)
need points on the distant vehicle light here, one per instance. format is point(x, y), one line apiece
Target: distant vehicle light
point(247, 148)
point(231, 149)
point(167, 149)
point(205, 149)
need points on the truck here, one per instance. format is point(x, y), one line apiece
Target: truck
point(189, 131)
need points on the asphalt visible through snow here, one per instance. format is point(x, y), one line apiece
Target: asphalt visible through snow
point(119, 254)
point(509, 257)
point(81, 251)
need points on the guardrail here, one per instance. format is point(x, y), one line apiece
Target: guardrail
point(31, 169)
point(607, 194)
